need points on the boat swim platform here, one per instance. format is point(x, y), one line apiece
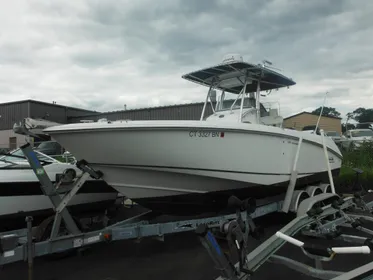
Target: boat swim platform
point(323, 216)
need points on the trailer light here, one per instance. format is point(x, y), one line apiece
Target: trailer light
point(107, 236)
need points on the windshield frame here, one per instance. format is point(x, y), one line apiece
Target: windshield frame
point(249, 103)
point(227, 104)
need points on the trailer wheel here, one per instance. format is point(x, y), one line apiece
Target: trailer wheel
point(44, 230)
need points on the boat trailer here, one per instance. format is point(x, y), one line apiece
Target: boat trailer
point(322, 216)
point(328, 222)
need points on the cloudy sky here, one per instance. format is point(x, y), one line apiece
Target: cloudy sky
point(103, 54)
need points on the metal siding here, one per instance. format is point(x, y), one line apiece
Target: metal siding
point(73, 112)
point(11, 113)
point(15, 111)
point(180, 112)
point(76, 119)
point(56, 114)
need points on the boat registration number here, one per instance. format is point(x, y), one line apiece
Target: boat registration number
point(198, 133)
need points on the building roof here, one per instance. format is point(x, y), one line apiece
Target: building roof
point(47, 103)
point(158, 107)
point(143, 109)
point(301, 113)
point(98, 112)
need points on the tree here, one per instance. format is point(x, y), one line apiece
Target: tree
point(327, 112)
point(349, 126)
point(361, 115)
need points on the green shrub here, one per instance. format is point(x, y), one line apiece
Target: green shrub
point(362, 158)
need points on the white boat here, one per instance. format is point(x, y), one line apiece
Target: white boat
point(21, 195)
point(182, 167)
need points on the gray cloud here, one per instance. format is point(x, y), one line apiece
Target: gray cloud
point(104, 54)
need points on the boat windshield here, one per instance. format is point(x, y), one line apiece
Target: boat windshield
point(18, 156)
point(227, 104)
point(362, 133)
point(249, 102)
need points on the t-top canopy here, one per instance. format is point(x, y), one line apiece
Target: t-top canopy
point(230, 77)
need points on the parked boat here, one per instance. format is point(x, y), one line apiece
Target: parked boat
point(179, 167)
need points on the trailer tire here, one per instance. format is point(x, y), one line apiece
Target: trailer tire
point(43, 233)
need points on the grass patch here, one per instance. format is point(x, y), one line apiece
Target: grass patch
point(362, 158)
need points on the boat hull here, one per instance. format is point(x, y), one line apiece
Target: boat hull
point(174, 197)
point(178, 165)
